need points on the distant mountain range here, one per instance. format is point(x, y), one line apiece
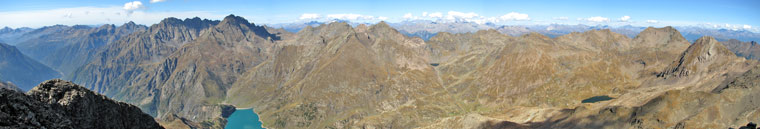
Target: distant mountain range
point(187, 73)
point(426, 29)
point(749, 50)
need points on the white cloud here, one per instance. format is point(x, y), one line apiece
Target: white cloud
point(486, 20)
point(513, 16)
point(382, 18)
point(747, 27)
point(653, 21)
point(625, 18)
point(309, 16)
point(597, 19)
point(156, 1)
point(424, 14)
point(134, 5)
point(91, 16)
point(350, 17)
point(460, 16)
point(435, 15)
point(408, 16)
point(560, 18)
point(68, 15)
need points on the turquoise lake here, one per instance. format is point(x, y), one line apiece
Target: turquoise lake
point(243, 119)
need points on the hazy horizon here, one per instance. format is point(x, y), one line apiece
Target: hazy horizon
point(735, 15)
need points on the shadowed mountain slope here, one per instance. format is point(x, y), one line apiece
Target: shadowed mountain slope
point(21, 70)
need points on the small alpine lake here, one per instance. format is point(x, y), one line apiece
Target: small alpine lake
point(243, 118)
point(597, 99)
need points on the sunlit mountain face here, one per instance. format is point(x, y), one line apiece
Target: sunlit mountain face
point(379, 64)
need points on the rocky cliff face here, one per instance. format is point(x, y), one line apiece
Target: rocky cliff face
point(62, 104)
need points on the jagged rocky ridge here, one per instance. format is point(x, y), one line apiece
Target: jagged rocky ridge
point(62, 104)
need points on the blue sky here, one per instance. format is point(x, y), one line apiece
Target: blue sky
point(739, 14)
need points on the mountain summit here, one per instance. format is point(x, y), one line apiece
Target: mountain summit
point(232, 19)
point(698, 57)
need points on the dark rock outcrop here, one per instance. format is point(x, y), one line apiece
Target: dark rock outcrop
point(19, 111)
point(62, 104)
point(749, 125)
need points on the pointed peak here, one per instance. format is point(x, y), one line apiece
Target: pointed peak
point(107, 26)
point(711, 45)
point(706, 39)
point(698, 54)
point(170, 21)
point(338, 26)
point(382, 24)
point(232, 19)
point(130, 23)
point(361, 28)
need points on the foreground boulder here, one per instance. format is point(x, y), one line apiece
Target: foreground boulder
point(62, 104)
